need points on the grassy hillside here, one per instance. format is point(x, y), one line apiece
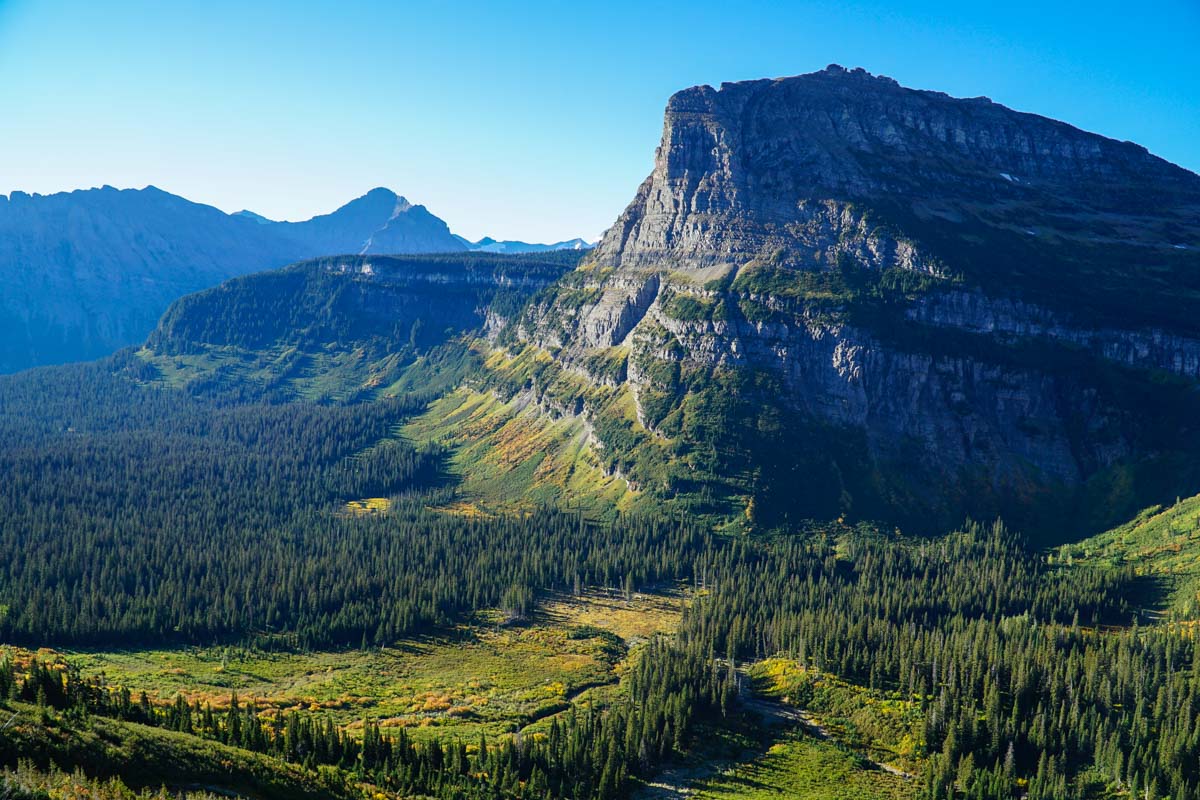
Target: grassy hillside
point(147, 757)
point(510, 455)
point(796, 765)
point(1162, 546)
point(803, 733)
point(884, 727)
point(27, 782)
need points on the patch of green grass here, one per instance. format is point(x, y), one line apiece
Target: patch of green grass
point(751, 757)
point(799, 766)
point(512, 454)
point(368, 506)
point(27, 782)
point(1161, 544)
point(887, 727)
point(609, 364)
point(489, 681)
point(638, 618)
point(689, 308)
point(321, 375)
point(482, 678)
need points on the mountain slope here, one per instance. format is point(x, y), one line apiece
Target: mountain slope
point(87, 272)
point(341, 328)
point(1162, 546)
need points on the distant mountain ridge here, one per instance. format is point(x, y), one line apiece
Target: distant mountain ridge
point(380, 222)
point(90, 271)
point(510, 247)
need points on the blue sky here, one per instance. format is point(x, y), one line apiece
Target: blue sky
point(531, 120)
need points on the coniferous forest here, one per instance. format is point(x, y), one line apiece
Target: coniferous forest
point(160, 517)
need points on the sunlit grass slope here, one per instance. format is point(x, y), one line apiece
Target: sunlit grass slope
point(512, 454)
point(1161, 544)
point(147, 757)
point(798, 766)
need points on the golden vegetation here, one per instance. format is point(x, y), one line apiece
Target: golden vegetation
point(367, 506)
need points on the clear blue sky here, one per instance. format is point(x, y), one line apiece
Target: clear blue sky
point(532, 120)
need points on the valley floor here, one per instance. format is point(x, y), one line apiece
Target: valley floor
point(483, 677)
point(496, 677)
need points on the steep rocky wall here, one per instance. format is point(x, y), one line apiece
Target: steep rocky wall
point(1012, 319)
point(738, 165)
point(964, 411)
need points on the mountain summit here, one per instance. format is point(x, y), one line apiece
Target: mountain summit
point(997, 196)
point(379, 222)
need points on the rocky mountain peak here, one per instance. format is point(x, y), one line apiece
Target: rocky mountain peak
point(740, 168)
point(380, 221)
point(381, 198)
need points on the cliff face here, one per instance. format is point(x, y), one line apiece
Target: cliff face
point(342, 328)
point(993, 311)
point(739, 168)
point(364, 302)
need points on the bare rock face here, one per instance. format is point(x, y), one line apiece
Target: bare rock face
point(998, 305)
point(623, 305)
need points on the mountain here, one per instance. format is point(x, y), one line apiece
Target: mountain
point(835, 296)
point(378, 222)
point(1012, 202)
point(341, 328)
point(259, 218)
point(87, 272)
point(489, 245)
